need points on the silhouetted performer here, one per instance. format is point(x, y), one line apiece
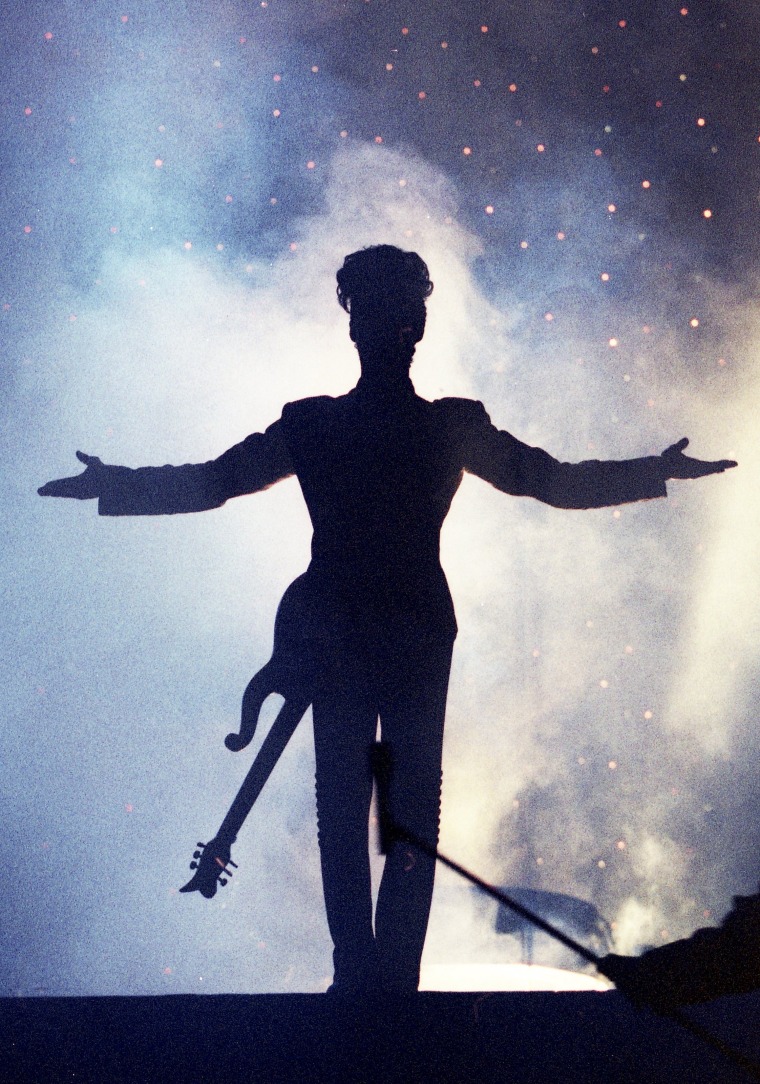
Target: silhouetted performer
point(378, 468)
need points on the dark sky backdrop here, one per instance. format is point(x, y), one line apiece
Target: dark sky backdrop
point(181, 181)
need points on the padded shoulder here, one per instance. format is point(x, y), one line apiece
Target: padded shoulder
point(463, 413)
point(308, 408)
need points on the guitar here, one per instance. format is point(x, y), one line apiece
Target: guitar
point(289, 672)
point(211, 860)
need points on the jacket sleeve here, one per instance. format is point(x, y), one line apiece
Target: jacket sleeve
point(255, 464)
point(516, 468)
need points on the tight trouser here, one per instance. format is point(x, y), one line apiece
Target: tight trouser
point(406, 687)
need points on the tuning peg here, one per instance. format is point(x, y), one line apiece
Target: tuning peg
point(196, 854)
point(193, 865)
point(222, 881)
point(199, 844)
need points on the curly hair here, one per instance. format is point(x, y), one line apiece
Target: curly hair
point(383, 270)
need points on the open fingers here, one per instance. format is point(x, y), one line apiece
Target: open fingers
point(61, 487)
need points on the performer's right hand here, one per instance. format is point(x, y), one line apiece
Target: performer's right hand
point(81, 487)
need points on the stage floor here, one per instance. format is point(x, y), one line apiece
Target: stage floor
point(512, 1038)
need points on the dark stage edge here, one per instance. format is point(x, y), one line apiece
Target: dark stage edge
point(512, 1038)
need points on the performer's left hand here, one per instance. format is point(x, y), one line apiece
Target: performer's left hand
point(677, 465)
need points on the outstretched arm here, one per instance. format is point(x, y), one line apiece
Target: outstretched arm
point(516, 468)
point(254, 464)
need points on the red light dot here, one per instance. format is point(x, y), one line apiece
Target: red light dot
point(523, 244)
point(293, 246)
point(228, 199)
point(484, 30)
point(276, 78)
point(315, 68)
point(560, 236)
point(242, 41)
point(378, 139)
point(598, 152)
point(310, 165)
point(476, 83)
point(275, 112)
point(389, 67)
point(158, 163)
point(422, 95)
point(513, 87)
point(606, 89)
point(604, 277)
point(622, 24)
point(549, 316)
point(444, 45)
point(489, 209)
point(466, 150)
point(48, 36)
point(188, 245)
point(27, 229)
point(694, 322)
point(404, 29)
point(701, 122)
point(540, 148)
point(684, 11)
point(125, 18)
point(646, 184)
point(611, 208)
point(595, 50)
point(613, 343)
point(28, 111)
point(646, 329)
point(658, 105)
point(707, 213)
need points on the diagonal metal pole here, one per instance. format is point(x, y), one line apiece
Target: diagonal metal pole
point(391, 832)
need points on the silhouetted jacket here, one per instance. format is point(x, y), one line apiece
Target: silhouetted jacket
point(378, 473)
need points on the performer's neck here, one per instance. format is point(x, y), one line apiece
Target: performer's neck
point(384, 385)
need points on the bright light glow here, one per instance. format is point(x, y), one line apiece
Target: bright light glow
point(492, 978)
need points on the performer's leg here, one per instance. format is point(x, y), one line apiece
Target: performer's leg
point(412, 717)
point(344, 728)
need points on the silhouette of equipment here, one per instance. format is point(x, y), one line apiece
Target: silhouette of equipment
point(575, 916)
point(291, 673)
point(390, 832)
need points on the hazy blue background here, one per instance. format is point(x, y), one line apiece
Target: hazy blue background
point(180, 183)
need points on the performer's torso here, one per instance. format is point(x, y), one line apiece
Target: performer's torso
point(378, 477)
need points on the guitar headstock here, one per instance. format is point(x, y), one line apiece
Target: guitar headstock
point(211, 864)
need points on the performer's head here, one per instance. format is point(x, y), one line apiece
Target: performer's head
point(383, 289)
